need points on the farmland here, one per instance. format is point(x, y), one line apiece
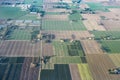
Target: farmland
point(19, 48)
point(61, 71)
point(59, 40)
point(115, 59)
point(104, 34)
point(35, 2)
point(11, 12)
point(62, 25)
point(18, 34)
point(99, 65)
point(29, 17)
point(84, 72)
point(66, 49)
point(111, 46)
point(97, 6)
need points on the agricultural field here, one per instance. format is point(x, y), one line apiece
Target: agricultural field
point(66, 53)
point(20, 34)
point(58, 17)
point(110, 46)
point(75, 75)
point(91, 47)
point(11, 12)
point(77, 42)
point(35, 2)
point(62, 25)
point(75, 15)
point(99, 66)
point(12, 48)
point(29, 17)
point(61, 71)
point(68, 49)
point(115, 59)
point(84, 72)
point(97, 7)
point(106, 34)
point(11, 67)
point(76, 35)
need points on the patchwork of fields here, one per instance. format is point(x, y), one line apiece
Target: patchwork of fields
point(73, 43)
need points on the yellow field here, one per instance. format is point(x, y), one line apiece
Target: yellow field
point(84, 72)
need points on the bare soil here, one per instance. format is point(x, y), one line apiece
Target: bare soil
point(68, 34)
point(19, 49)
point(75, 75)
point(91, 47)
point(99, 65)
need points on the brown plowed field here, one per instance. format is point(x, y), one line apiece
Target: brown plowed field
point(92, 22)
point(28, 72)
point(91, 47)
point(47, 49)
point(112, 19)
point(74, 72)
point(56, 17)
point(68, 34)
point(115, 58)
point(19, 49)
point(112, 25)
point(99, 65)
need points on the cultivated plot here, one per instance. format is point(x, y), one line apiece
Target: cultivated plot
point(19, 49)
point(99, 65)
point(91, 47)
point(110, 46)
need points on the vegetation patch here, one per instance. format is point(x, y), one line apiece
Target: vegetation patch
point(19, 34)
point(62, 25)
point(11, 12)
point(97, 6)
point(106, 35)
point(111, 46)
point(84, 72)
point(29, 17)
point(60, 72)
point(75, 49)
point(65, 60)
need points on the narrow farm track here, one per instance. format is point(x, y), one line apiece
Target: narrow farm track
point(99, 65)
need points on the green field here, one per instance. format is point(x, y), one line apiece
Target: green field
point(102, 34)
point(111, 46)
point(11, 12)
point(29, 17)
point(66, 53)
point(68, 49)
point(52, 13)
point(65, 60)
point(62, 25)
point(97, 6)
point(35, 2)
point(84, 72)
point(18, 34)
point(75, 16)
point(10, 71)
point(112, 6)
point(60, 72)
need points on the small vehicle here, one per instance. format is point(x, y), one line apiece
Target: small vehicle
point(114, 70)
